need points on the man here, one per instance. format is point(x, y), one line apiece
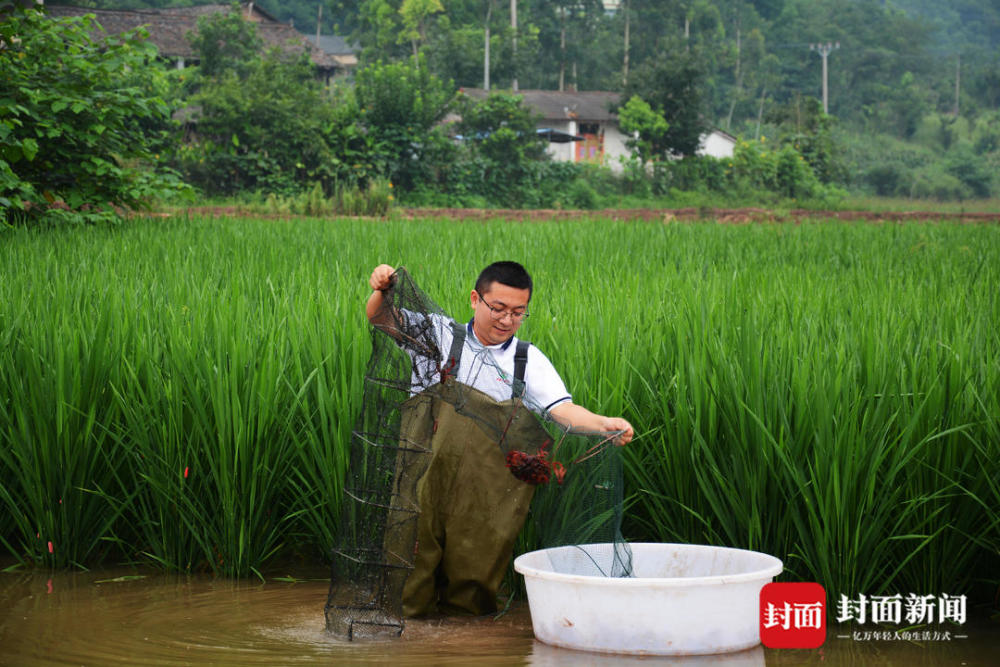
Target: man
point(466, 530)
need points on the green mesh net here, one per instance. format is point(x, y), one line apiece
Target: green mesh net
point(477, 466)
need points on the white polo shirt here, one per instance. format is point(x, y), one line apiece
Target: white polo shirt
point(488, 368)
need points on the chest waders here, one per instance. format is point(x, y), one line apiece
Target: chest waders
point(471, 506)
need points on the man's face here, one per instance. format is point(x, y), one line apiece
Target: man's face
point(496, 312)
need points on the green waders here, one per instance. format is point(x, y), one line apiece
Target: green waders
point(471, 506)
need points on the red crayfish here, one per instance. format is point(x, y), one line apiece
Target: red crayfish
point(534, 468)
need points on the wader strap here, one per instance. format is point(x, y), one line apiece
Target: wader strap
point(520, 362)
point(450, 368)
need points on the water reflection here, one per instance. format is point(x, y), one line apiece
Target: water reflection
point(101, 618)
point(543, 655)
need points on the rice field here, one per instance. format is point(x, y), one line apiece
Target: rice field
point(181, 392)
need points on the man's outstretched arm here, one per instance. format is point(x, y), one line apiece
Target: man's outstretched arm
point(579, 418)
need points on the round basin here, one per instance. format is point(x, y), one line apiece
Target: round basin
point(684, 599)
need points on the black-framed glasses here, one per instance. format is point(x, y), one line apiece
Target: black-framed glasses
point(500, 313)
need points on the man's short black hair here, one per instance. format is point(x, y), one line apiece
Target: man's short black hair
point(511, 274)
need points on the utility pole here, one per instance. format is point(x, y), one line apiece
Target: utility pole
point(486, 46)
point(562, 48)
point(824, 51)
point(625, 64)
point(958, 82)
point(513, 25)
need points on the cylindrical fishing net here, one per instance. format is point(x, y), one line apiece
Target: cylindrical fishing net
point(490, 459)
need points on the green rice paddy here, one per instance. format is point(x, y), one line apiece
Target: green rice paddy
point(182, 391)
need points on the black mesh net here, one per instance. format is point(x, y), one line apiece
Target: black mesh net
point(479, 465)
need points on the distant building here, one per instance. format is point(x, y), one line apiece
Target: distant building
point(168, 29)
point(587, 115)
point(337, 48)
point(717, 144)
point(583, 114)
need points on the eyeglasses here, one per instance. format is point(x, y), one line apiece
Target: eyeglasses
point(500, 313)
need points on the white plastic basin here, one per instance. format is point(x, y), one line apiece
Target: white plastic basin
point(683, 599)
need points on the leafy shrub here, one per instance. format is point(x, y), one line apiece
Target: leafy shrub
point(265, 123)
point(672, 83)
point(225, 42)
point(374, 199)
point(600, 177)
point(701, 173)
point(550, 181)
point(502, 156)
point(637, 118)
point(783, 171)
point(801, 124)
point(794, 178)
point(752, 166)
point(986, 133)
point(941, 132)
point(267, 127)
point(399, 106)
point(934, 183)
point(885, 179)
point(581, 195)
point(970, 170)
point(72, 142)
point(500, 127)
point(635, 179)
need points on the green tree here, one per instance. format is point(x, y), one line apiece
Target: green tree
point(416, 14)
point(400, 105)
point(504, 155)
point(502, 128)
point(672, 83)
point(225, 42)
point(379, 26)
point(265, 122)
point(877, 47)
point(456, 52)
point(268, 128)
point(568, 31)
point(637, 117)
point(71, 115)
point(802, 125)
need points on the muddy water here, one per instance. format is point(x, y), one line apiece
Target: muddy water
point(109, 618)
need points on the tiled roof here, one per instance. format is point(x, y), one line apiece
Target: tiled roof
point(333, 44)
point(168, 29)
point(591, 105)
point(337, 48)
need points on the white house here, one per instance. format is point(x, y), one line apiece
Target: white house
point(717, 144)
point(587, 116)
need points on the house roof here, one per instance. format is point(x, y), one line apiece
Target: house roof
point(333, 44)
point(723, 134)
point(591, 105)
point(337, 48)
point(168, 29)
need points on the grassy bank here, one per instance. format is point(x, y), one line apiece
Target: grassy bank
point(182, 390)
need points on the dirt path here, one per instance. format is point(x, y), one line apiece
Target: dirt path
point(730, 215)
point(726, 215)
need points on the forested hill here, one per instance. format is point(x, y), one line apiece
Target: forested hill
point(954, 24)
point(958, 25)
point(895, 61)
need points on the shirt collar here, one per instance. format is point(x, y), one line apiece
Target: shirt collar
point(503, 346)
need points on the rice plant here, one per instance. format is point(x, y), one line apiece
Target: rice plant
point(826, 392)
